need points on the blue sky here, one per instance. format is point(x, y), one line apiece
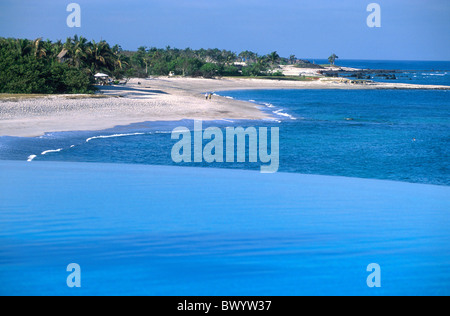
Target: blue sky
point(411, 29)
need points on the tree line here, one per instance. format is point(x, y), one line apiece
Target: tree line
point(38, 66)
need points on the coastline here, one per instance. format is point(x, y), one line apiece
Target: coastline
point(155, 99)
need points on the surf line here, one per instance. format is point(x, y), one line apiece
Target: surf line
point(32, 157)
point(51, 151)
point(113, 136)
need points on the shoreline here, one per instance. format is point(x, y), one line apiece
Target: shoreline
point(155, 99)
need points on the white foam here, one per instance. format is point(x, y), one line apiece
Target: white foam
point(280, 113)
point(161, 132)
point(433, 74)
point(51, 151)
point(112, 136)
point(31, 158)
point(271, 119)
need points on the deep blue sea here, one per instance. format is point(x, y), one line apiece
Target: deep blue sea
point(414, 72)
point(92, 198)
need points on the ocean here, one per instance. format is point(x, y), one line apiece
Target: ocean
point(363, 178)
point(413, 72)
point(378, 134)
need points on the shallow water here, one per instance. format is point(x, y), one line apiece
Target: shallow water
point(388, 134)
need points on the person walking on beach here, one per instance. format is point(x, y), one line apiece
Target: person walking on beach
point(210, 96)
point(206, 96)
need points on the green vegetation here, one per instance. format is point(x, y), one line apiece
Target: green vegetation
point(332, 59)
point(16, 97)
point(45, 67)
point(32, 67)
point(205, 63)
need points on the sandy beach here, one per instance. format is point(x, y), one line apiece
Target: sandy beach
point(155, 99)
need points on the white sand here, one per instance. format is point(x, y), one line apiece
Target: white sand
point(291, 70)
point(158, 99)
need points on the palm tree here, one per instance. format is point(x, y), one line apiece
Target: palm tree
point(24, 47)
point(77, 50)
point(100, 56)
point(292, 59)
point(119, 57)
point(143, 58)
point(53, 49)
point(243, 56)
point(332, 59)
point(231, 58)
point(250, 57)
point(38, 47)
point(273, 58)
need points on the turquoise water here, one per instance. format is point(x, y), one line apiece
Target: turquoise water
point(380, 134)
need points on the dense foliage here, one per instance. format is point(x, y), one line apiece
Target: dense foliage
point(206, 63)
point(32, 67)
point(45, 67)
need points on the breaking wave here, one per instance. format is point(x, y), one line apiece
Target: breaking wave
point(51, 151)
point(114, 136)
